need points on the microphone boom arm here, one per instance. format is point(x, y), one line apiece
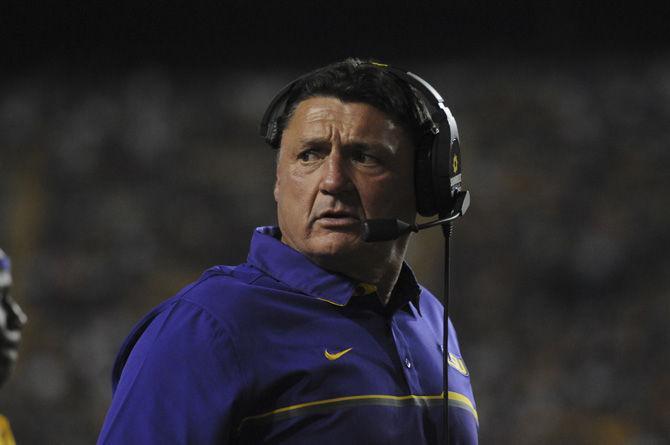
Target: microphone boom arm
point(390, 229)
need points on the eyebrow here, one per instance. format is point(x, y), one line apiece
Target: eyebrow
point(361, 145)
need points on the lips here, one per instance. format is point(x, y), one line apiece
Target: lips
point(337, 214)
point(338, 218)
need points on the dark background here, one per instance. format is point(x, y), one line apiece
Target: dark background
point(130, 162)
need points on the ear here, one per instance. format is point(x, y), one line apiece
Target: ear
point(276, 188)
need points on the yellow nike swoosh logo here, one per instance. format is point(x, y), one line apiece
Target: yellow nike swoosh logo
point(337, 355)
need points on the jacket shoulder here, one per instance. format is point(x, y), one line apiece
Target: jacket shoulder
point(219, 291)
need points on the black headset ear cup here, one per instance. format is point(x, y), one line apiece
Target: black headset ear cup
point(423, 177)
point(441, 168)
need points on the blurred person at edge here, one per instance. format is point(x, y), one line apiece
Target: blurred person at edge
point(12, 320)
point(319, 337)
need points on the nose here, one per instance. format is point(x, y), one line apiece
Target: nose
point(336, 177)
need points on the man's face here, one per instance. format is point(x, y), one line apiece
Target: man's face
point(341, 163)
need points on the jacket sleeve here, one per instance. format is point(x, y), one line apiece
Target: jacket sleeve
point(180, 384)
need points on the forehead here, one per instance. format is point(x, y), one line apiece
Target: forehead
point(322, 116)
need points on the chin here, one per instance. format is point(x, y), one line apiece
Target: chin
point(336, 245)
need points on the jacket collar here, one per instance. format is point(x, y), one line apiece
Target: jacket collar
point(291, 267)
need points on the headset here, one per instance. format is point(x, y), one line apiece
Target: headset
point(437, 164)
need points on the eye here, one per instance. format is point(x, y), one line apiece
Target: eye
point(364, 158)
point(308, 155)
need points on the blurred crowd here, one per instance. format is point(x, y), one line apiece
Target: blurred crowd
point(116, 190)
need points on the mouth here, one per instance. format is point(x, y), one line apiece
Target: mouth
point(338, 219)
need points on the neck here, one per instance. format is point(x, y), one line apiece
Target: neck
point(387, 282)
point(381, 268)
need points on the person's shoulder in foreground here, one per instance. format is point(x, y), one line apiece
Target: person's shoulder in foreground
point(12, 320)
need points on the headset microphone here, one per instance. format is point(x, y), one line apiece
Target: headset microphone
point(389, 229)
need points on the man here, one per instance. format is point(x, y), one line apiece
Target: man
point(12, 320)
point(319, 337)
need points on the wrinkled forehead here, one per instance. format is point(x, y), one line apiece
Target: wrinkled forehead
point(325, 117)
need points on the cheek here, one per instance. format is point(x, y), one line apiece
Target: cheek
point(294, 194)
point(389, 193)
point(297, 187)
